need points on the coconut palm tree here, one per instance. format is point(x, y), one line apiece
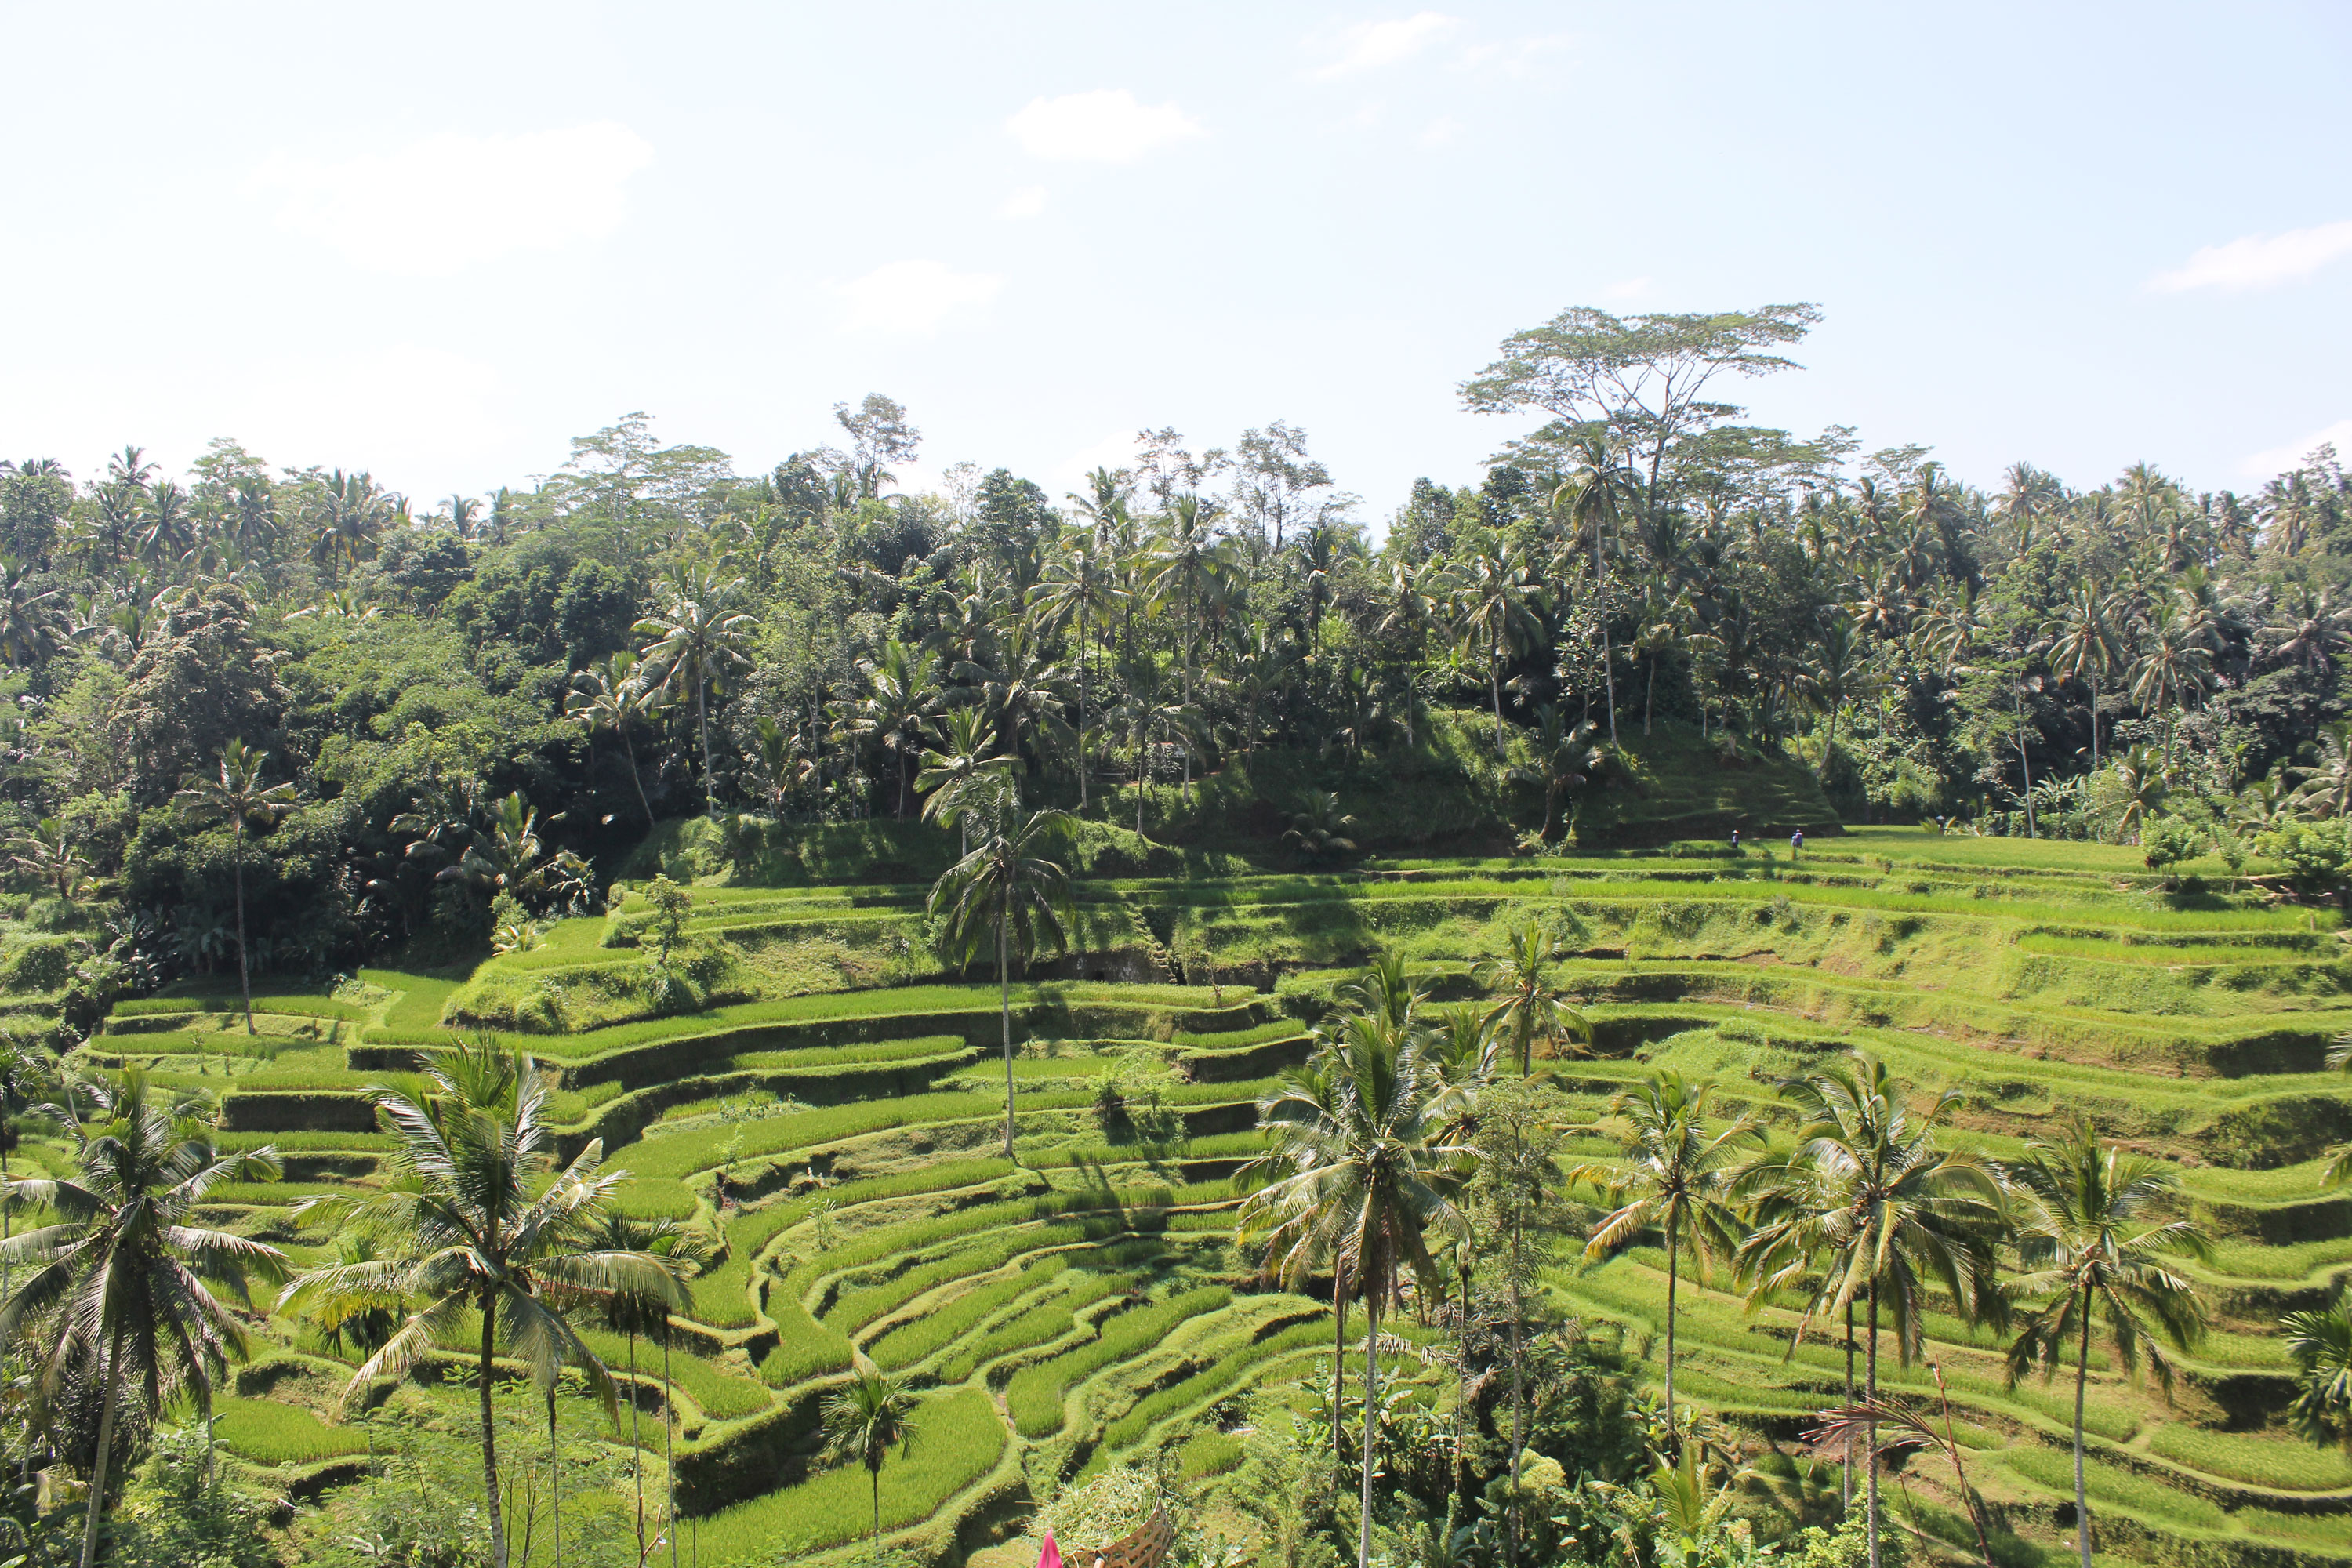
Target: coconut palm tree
point(964, 759)
point(478, 1229)
point(1080, 585)
point(238, 797)
point(1566, 757)
point(681, 1250)
point(1293, 1245)
point(699, 637)
point(1004, 892)
point(46, 853)
point(1838, 671)
point(2173, 670)
point(866, 1417)
point(611, 696)
point(1593, 500)
point(2099, 1264)
point(1493, 599)
point(122, 1288)
point(1676, 1180)
point(2319, 1343)
point(2083, 644)
point(1532, 1005)
point(898, 707)
point(1373, 1174)
point(1872, 1208)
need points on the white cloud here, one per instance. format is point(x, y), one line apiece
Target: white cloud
point(912, 298)
point(1629, 291)
point(1441, 131)
point(1102, 127)
point(1518, 57)
point(2259, 260)
point(2280, 460)
point(437, 206)
point(1371, 45)
point(1029, 201)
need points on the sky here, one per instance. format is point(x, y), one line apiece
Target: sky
point(436, 241)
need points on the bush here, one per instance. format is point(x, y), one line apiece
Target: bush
point(2170, 840)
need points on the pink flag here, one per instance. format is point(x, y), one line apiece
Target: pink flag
point(1051, 1556)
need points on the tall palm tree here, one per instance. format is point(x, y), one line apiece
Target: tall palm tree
point(680, 1249)
point(866, 1417)
point(610, 695)
point(1874, 1209)
point(2173, 670)
point(699, 637)
point(1839, 670)
point(1183, 568)
point(1079, 585)
point(1532, 1005)
point(1007, 893)
point(123, 1282)
point(1594, 501)
point(1371, 1175)
point(896, 709)
point(2083, 643)
point(1293, 1245)
point(1494, 601)
point(1676, 1178)
point(2097, 1262)
point(479, 1227)
point(238, 797)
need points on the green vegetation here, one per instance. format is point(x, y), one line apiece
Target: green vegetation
point(1065, 979)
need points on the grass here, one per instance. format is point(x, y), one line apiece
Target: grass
point(959, 1437)
point(269, 1432)
point(1034, 1396)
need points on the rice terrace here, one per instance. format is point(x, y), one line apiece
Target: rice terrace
point(1559, 786)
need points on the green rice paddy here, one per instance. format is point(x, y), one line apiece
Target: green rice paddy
point(1086, 1303)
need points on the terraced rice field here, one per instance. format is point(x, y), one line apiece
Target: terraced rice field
point(1086, 1302)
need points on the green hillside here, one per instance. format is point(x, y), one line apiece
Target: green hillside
point(1088, 1304)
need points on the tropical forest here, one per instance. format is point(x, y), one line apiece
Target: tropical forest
point(1692, 996)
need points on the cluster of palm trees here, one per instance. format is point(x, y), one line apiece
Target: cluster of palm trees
point(480, 1239)
point(1862, 1220)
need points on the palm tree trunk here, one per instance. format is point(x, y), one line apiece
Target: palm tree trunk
point(2081, 1377)
point(1004, 1009)
point(2094, 718)
point(636, 1443)
point(1339, 1351)
point(1518, 1410)
point(1870, 1445)
point(490, 1436)
point(244, 969)
point(1673, 1276)
point(875, 1472)
point(1608, 665)
point(1494, 683)
point(2024, 763)
point(105, 1449)
point(554, 1482)
point(669, 1426)
point(1845, 1477)
point(1650, 695)
point(702, 723)
point(1372, 1426)
point(1082, 708)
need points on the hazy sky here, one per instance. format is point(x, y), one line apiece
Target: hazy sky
point(435, 241)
